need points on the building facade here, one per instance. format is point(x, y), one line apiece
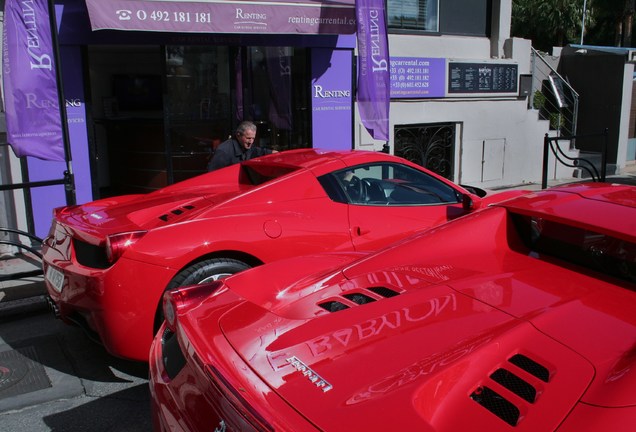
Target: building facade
point(146, 107)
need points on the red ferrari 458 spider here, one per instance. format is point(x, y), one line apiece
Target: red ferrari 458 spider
point(518, 317)
point(108, 262)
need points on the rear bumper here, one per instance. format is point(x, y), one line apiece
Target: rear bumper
point(116, 306)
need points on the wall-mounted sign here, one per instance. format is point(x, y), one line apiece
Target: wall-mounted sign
point(417, 77)
point(469, 78)
point(331, 99)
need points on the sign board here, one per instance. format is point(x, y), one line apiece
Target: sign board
point(478, 78)
point(417, 77)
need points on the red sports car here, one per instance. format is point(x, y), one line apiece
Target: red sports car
point(108, 262)
point(519, 317)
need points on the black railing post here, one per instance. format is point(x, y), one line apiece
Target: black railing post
point(604, 156)
point(544, 175)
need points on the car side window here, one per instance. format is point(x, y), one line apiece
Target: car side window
point(387, 184)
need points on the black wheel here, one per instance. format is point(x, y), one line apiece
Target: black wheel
point(205, 271)
point(208, 271)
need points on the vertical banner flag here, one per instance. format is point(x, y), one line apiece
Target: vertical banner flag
point(374, 84)
point(279, 69)
point(34, 126)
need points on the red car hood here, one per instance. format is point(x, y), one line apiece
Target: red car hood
point(144, 212)
point(431, 349)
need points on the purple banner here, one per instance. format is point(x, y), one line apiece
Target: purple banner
point(373, 68)
point(224, 16)
point(34, 126)
point(418, 77)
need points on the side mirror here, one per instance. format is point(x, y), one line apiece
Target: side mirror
point(470, 202)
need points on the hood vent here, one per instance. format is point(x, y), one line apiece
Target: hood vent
point(384, 292)
point(357, 299)
point(508, 381)
point(530, 366)
point(496, 404)
point(515, 384)
point(176, 212)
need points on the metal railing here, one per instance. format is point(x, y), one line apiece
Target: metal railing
point(553, 96)
point(17, 242)
point(551, 144)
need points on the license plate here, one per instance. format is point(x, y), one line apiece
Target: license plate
point(55, 278)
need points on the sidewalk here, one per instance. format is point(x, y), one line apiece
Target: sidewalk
point(53, 378)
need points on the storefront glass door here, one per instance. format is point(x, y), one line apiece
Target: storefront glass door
point(197, 110)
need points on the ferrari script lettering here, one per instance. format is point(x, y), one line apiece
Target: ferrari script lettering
point(309, 373)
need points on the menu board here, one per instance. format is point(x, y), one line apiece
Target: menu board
point(482, 78)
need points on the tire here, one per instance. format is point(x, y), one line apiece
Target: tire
point(201, 272)
point(207, 271)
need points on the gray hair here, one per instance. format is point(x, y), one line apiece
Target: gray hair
point(245, 126)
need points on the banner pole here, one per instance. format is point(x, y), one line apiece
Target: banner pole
point(69, 184)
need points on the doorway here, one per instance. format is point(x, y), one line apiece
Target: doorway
point(159, 112)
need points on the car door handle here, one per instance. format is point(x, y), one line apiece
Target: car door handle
point(359, 231)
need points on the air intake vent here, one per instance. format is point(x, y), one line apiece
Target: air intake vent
point(383, 291)
point(359, 298)
point(333, 306)
point(496, 404)
point(530, 366)
point(515, 384)
point(176, 212)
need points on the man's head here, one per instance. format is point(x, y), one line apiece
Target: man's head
point(246, 134)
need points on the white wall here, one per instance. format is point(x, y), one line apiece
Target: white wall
point(503, 129)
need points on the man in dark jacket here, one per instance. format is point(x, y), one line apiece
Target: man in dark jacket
point(237, 149)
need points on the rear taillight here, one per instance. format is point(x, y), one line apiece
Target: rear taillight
point(116, 244)
point(179, 299)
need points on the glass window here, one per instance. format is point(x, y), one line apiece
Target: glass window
point(611, 256)
point(387, 184)
point(210, 89)
point(197, 111)
point(413, 15)
point(272, 91)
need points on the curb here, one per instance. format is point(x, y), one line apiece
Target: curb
point(23, 306)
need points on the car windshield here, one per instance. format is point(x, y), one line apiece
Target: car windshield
point(387, 184)
point(602, 253)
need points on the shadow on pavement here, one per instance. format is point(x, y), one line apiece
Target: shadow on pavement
point(45, 362)
point(127, 410)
